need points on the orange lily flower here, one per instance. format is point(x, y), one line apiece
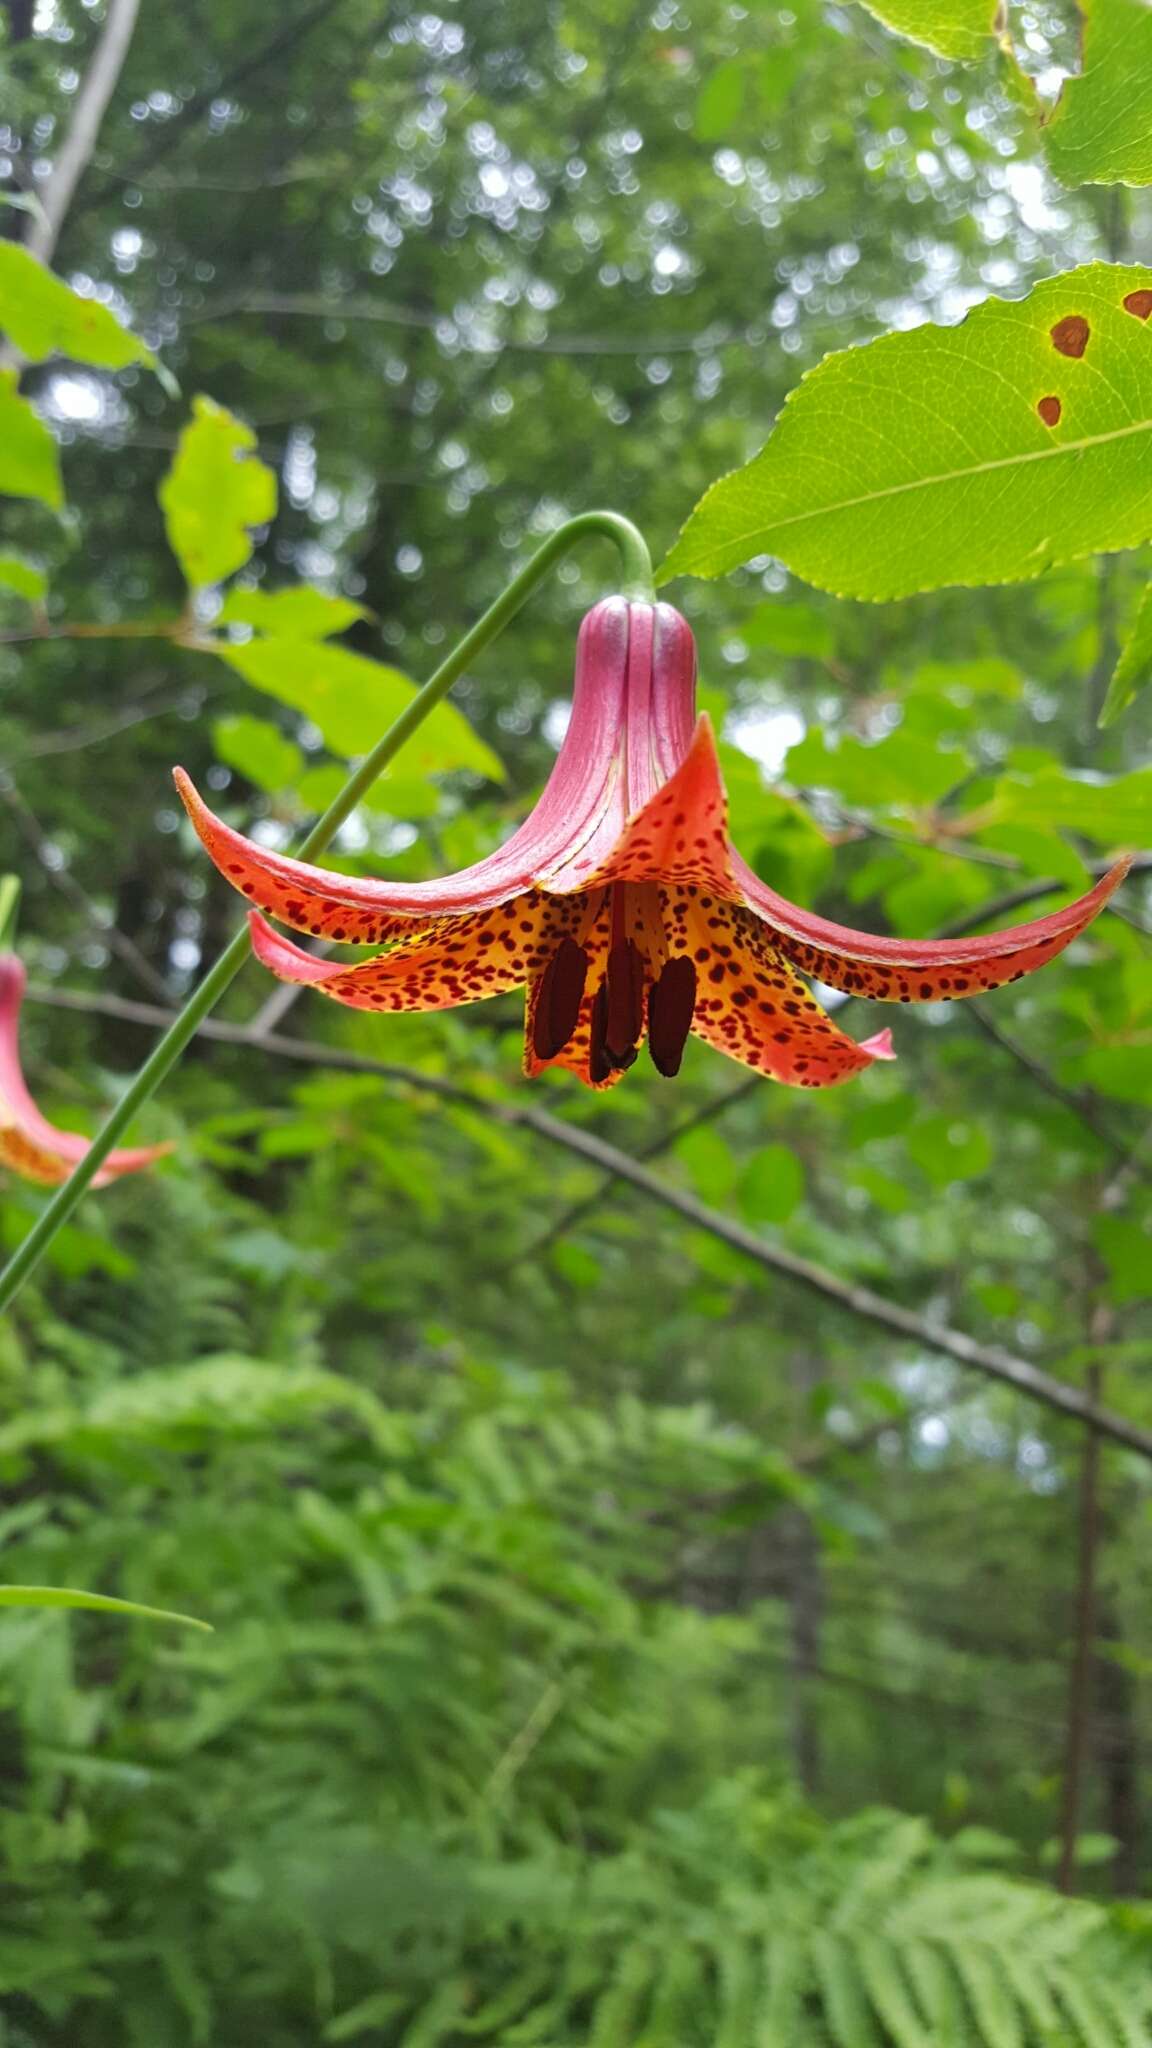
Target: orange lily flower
point(29, 1144)
point(620, 902)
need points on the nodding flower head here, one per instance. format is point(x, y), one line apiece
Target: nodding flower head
point(620, 904)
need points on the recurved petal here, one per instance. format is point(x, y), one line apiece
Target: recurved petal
point(29, 1144)
point(921, 970)
point(457, 960)
point(679, 836)
point(751, 1004)
point(307, 898)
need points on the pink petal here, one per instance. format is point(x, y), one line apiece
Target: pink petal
point(679, 837)
point(28, 1142)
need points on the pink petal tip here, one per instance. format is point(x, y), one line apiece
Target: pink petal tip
point(880, 1047)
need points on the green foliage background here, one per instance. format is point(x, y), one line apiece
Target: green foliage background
point(613, 1644)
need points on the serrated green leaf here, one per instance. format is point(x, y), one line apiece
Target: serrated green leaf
point(103, 1603)
point(953, 28)
point(42, 316)
point(215, 491)
point(299, 613)
point(29, 463)
point(352, 700)
point(258, 749)
point(26, 578)
point(1134, 668)
point(922, 460)
point(1100, 133)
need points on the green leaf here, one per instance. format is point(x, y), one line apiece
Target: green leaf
point(67, 1596)
point(902, 771)
point(1134, 667)
point(710, 1163)
point(790, 629)
point(772, 1185)
point(922, 459)
point(26, 578)
point(213, 494)
point(352, 700)
point(29, 463)
point(42, 316)
point(1127, 1250)
point(1100, 133)
point(953, 28)
point(299, 613)
point(258, 749)
point(720, 102)
point(948, 1150)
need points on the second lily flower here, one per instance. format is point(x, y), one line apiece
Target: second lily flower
point(621, 904)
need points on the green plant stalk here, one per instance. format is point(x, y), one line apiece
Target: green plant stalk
point(9, 911)
point(635, 583)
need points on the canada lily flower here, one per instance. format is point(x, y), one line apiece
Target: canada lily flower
point(29, 1144)
point(620, 902)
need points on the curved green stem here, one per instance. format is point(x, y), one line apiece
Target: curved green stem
point(9, 911)
point(635, 583)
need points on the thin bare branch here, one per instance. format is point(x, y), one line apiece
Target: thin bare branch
point(99, 83)
point(855, 1300)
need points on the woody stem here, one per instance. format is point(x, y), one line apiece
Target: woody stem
point(635, 583)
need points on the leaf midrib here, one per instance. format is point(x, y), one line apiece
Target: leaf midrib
point(924, 483)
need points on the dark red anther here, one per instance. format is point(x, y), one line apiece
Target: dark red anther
point(671, 1004)
point(625, 985)
point(600, 1061)
point(558, 999)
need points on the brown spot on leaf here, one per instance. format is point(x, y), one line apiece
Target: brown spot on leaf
point(1139, 303)
point(1071, 335)
point(1050, 410)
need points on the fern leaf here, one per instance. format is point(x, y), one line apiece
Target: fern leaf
point(676, 2002)
point(847, 2007)
point(787, 1972)
point(433, 2026)
point(508, 2003)
point(888, 1990)
point(739, 1975)
point(880, 1873)
point(614, 2022)
point(939, 1994)
point(1085, 2007)
point(369, 2014)
point(1030, 1981)
point(990, 1995)
point(1129, 2003)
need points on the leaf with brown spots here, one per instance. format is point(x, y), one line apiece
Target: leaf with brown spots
point(938, 457)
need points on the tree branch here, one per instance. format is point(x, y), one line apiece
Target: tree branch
point(99, 83)
point(1033, 892)
point(990, 1359)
